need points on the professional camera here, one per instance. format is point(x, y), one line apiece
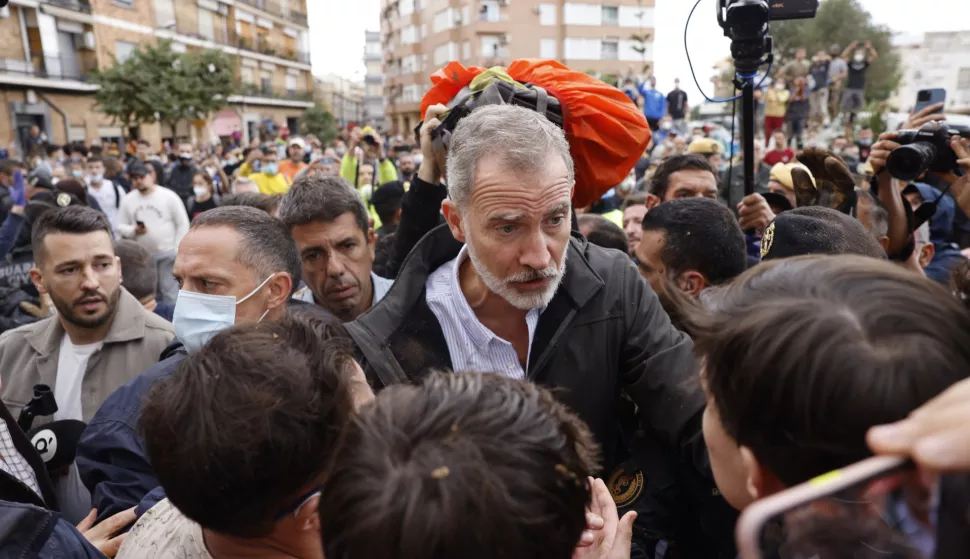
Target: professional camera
point(926, 149)
point(370, 139)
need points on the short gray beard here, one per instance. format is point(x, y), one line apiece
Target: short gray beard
point(503, 287)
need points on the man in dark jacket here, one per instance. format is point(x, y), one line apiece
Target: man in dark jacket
point(180, 178)
point(589, 328)
point(111, 455)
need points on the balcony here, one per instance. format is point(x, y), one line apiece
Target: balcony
point(268, 91)
point(263, 46)
point(78, 5)
point(274, 8)
point(64, 67)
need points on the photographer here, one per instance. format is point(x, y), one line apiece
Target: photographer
point(371, 151)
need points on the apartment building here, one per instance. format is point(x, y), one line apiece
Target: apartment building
point(420, 36)
point(344, 99)
point(374, 81)
point(48, 48)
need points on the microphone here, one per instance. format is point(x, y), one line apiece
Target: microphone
point(43, 403)
point(56, 442)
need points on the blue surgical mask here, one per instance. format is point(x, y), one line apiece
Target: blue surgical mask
point(199, 316)
point(271, 169)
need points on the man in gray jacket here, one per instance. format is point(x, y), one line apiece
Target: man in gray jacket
point(100, 338)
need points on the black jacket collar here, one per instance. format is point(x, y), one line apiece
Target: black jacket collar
point(12, 489)
point(404, 309)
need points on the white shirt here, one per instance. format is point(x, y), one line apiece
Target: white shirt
point(72, 362)
point(13, 463)
point(164, 533)
point(107, 197)
point(473, 347)
point(164, 216)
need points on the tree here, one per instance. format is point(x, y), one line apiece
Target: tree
point(317, 120)
point(157, 84)
point(841, 22)
point(126, 93)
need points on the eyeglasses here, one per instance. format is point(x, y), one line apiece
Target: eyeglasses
point(296, 506)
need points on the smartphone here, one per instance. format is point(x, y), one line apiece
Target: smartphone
point(927, 97)
point(874, 508)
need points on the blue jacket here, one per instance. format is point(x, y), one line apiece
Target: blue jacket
point(654, 102)
point(29, 531)
point(111, 456)
point(946, 258)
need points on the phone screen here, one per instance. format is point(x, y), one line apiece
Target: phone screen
point(891, 516)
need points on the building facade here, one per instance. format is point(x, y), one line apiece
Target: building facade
point(344, 99)
point(938, 60)
point(49, 47)
point(420, 36)
point(374, 81)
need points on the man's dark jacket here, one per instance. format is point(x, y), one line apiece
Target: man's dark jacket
point(111, 457)
point(180, 180)
point(38, 533)
point(602, 332)
point(11, 489)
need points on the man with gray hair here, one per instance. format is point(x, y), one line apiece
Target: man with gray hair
point(327, 219)
point(504, 286)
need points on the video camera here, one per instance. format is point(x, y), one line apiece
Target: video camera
point(746, 23)
point(926, 149)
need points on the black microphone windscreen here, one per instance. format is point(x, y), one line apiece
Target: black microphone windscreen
point(56, 442)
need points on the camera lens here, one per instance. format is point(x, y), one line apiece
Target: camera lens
point(907, 163)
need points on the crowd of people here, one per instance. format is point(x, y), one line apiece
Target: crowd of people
point(371, 349)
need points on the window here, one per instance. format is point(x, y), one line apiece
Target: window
point(266, 81)
point(123, 50)
point(609, 50)
point(206, 24)
point(124, 3)
point(611, 15)
point(547, 14)
point(443, 20)
point(582, 14)
point(963, 79)
point(466, 51)
point(406, 7)
point(489, 11)
point(445, 53)
point(634, 16)
point(547, 48)
point(290, 84)
point(164, 13)
point(490, 46)
point(247, 76)
point(409, 35)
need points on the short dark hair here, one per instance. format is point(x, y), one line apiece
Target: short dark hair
point(144, 142)
point(265, 202)
point(73, 220)
point(637, 199)
point(416, 462)
point(265, 245)
point(94, 158)
point(688, 162)
point(699, 234)
point(604, 233)
point(51, 149)
point(243, 428)
point(138, 269)
point(318, 198)
point(803, 355)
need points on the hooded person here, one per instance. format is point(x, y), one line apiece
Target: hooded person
point(947, 255)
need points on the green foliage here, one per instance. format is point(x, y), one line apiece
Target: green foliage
point(841, 22)
point(157, 84)
point(318, 121)
point(641, 39)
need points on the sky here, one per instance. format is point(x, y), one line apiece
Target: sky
point(337, 35)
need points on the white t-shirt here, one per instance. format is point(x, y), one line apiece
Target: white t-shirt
point(107, 196)
point(163, 533)
point(72, 362)
point(164, 216)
